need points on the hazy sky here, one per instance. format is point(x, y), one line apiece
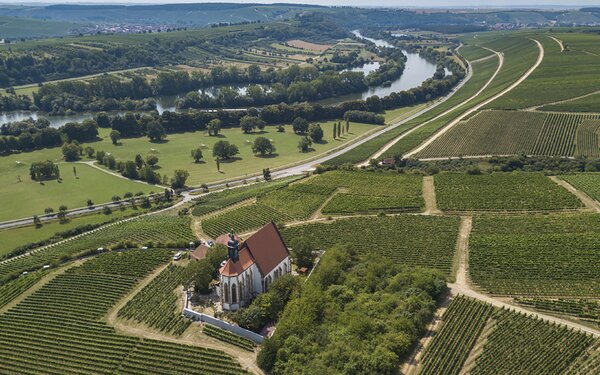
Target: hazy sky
point(397, 3)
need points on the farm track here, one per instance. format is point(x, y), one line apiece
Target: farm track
point(391, 143)
point(475, 108)
point(589, 203)
point(560, 43)
point(429, 196)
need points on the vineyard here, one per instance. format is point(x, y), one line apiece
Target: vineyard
point(581, 308)
point(14, 288)
point(511, 133)
point(58, 329)
point(588, 139)
point(588, 363)
point(157, 304)
point(151, 231)
point(589, 183)
point(542, 255)
point(242, 219)
point(412, 240)
point(462, 324)
point(519, 344)
point(501, 192)
point(228, 337)
point(222, 199)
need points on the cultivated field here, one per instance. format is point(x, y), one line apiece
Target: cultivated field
point(589, 183)
point(59, 328)
point(553, 255)
point(501, 192)
point(412, 240)
point(511, 133)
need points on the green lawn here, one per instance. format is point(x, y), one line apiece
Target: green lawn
point(13, 238)
point(174, 153)
point(27, 198)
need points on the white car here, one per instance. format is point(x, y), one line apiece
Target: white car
point(177, 256)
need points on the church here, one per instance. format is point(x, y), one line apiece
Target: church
point(252, 266)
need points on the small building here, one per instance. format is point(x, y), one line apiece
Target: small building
point(252, 266)
point(200, 252)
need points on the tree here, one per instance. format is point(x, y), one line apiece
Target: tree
point(36, 221)
point(315, 133)
point(62, 213)
point(202, 276)
point(44, 170)
point(214, 127)
point(90, 203)
point(100, 155)
point(103, 120)
point(218, 164)
point(89, 151)
point(339, 129)
point(267, 174)
point(48, 210)
point(197, 154)
point(301, 251)
point(304, 144)
point(151, 160)
point(300, 125)
point(71, 151)
point(139, 161)
point(115, 198)
point(263, 146)
point(179, 178)
point(155, 131)
point(75, 171)
point(130, 170)
point(146, 173)
point(115, 136)
point(249, 123)
point(347, 125)
point(225, 150)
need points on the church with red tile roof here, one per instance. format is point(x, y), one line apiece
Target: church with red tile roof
point(252, 266)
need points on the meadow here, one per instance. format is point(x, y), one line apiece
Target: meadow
point(68, 334)
point(542, 255)
point(73, 191)
point(511, 133)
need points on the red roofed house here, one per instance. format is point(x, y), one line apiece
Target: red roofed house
point(252, 266)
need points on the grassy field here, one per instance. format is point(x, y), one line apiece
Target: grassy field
point(12, 238)
point(510, 133)
point(173, 153)
point(562, 75)
point(28, 197)
point(545, 255)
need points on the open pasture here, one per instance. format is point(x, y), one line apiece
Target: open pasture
point(501, 191)
point(545, 255)
point(407, 239)
point(511, 133)
point(68, 335)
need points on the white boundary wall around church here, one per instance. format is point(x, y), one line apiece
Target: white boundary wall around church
point(194, 315)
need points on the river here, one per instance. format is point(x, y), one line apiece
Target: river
point(416, 70)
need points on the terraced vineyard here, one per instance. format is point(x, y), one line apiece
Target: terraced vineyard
point(462, 324)
point(59, 328)
point(589, 183)
point(220, 200)
point(581, 308)
point(543, 255)
point(408, 239)
point(519, 344)
point(152, 231)
point(501, 192)
point(228, 337)
point(157, 304)
point(510, 133)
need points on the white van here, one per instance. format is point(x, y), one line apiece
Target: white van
point(177, 256)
